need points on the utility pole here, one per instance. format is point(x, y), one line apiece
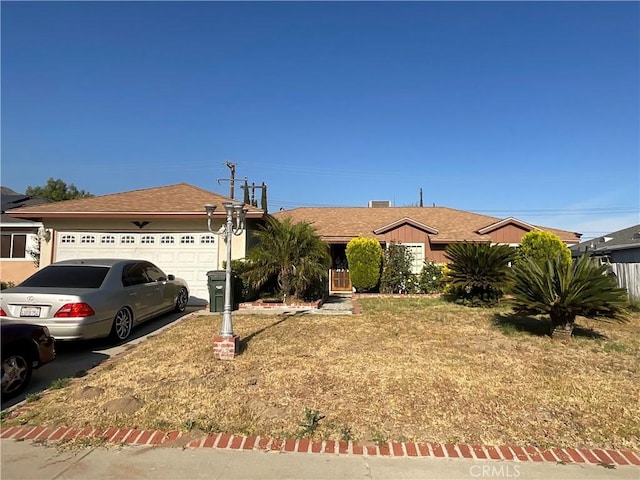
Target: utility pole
point(232, 167)
point(232, 180)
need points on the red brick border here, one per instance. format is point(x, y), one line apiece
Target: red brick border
point(228, 441)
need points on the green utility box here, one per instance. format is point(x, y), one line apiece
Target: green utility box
point(217, 282)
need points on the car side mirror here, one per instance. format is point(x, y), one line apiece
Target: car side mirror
point(171, 277)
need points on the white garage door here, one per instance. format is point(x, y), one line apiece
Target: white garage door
point(188, 255)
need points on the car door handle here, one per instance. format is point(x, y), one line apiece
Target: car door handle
point(133, 294)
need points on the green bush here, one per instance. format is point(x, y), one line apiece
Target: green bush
point(431, 278)
point(396, 274)
point(364, 256)
point(542, 246)
point(479, 272)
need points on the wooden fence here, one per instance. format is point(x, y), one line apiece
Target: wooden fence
point(628, 276)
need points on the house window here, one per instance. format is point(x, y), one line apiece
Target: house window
point(417, 254)
point(14, 245)
point(128, 239)
point(207, 239)
point(87, 239)
point(167, 239)
point(107, 239)
point(68, 239)
point(187, 239)
point(147, 239)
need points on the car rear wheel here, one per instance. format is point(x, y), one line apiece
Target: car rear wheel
point(16, 373)
point(182, 300)
point(122, 325)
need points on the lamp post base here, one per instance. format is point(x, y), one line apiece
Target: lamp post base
point(226, 348)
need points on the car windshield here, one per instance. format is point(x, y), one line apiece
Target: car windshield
point(68, 276)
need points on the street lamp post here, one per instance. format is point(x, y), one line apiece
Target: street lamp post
point(226, 344)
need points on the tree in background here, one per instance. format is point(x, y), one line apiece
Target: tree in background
point(57, 190)
point(364, 256)
point(247, 200)
point(563, 290)
point(293, 256)
point(479, 273)
point(263, 198)
point(541, 246)
point(396, 273)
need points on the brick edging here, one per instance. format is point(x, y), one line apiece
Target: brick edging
point(227, 441)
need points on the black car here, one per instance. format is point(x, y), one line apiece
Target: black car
point(25, 346)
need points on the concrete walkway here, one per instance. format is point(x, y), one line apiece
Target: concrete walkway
point(26, 460)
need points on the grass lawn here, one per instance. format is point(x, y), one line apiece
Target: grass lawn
point(405, 369)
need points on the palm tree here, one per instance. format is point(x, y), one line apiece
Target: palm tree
point(292, 254)
point(564, 291)
point(479, 272)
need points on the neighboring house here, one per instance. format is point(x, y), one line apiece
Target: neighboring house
point(165, 225)
point(622, 246)
point(19, 237)
point(426, 231)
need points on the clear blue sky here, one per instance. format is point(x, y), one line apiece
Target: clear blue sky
point(525, 109)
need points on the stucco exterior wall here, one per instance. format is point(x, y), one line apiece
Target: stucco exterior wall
point(16, 270)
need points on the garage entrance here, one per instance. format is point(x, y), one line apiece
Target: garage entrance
point(188, 255)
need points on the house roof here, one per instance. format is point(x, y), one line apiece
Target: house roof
point(10, 199)
point(621, 240)
point(181, 200)
point(340, 224)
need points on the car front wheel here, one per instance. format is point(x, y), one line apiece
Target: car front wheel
point(16, 373)
point(182, 300)
point(122, 325)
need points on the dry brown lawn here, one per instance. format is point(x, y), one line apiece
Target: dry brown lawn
point(405, 369)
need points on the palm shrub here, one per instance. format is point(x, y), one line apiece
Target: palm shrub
point(364, 256)
point(564, 291)
point(291, 254)
point(479, 273)
point(396, 273)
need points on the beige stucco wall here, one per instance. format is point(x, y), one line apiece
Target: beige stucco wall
point(16, 270)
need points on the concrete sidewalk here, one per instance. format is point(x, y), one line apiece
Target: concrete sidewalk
point(26, 460)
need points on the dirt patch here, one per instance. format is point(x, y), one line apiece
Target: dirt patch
point(126, 406)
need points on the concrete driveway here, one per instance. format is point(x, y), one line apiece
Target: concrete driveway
point(76, 358)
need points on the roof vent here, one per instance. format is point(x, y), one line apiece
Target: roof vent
point(379, 203)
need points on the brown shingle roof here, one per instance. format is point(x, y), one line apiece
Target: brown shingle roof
point(339, 224)
point(180, 200)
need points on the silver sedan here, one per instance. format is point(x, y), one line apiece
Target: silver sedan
point(94, 298)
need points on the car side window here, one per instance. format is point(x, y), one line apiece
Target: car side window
point(133, 274)
point(154, 273)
